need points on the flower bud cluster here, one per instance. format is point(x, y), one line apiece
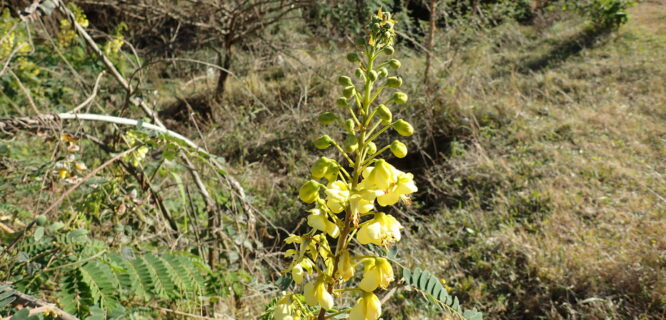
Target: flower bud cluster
point(350, 198)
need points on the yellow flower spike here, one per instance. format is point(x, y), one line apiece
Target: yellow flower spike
point(367, 307)
point(377, 274)
point(317, 295)
point(381, 230)
point(319, 221)
point(345, 266)
point(350, 195)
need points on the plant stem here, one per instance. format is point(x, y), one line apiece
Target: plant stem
point(351, 220)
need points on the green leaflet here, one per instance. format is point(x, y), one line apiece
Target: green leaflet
point(429, 284)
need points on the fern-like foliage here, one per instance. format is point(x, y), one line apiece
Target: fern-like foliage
point(6, 296)
point(99, 287)
point(431, 286)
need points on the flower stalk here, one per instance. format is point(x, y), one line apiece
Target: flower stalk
point(348, 204)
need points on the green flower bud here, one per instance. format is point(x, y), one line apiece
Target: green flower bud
point(40, 220)
point(398, 149)
point(327, 117)
point(348, 92)
point(350, 144)
point(384, 113)
point(320, 167)
point(388, 50)
point(360, 41)
point(332, 173)
point(323, 142)
point(309, 192)
point(399, 97)
point(342, 102)
point(383, 72)
point(372, 148)
point(373, 75)
point(403, 128)
point(394, 82)
point(353, 57)
point(394, 63)
point(374, 27)
point(358, 73)
point(349, 125)
point(345, 81)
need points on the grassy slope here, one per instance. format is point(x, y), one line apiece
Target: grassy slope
point(563, 195)
point(541, 162)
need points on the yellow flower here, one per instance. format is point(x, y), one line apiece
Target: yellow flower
point(282, 310)
point(381, 230)
point(362, 201)
point(381, 176)
point(293, 239)
point(63, 173)
point(402, 187)
point(80, 166)
point(367, 307)
point(317, 295)
point(298, 271)
point(377, 273)
point(319, 221)
point(345, 266)
point(337, 196)
point(390, 184)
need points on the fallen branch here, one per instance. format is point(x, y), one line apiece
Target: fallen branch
point(38, 306)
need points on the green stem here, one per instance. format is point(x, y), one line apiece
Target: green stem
point(381, 131)
point(351, 163)
point(367, 161)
